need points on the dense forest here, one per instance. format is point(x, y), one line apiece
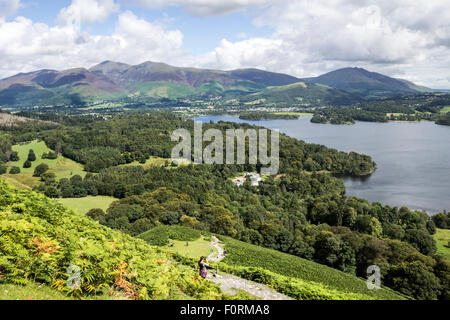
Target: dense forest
point(349, 115)
point(428, 107)
point(302, 211)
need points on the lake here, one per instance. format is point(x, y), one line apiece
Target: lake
point(413, 158)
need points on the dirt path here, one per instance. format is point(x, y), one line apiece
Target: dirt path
point(213, 257)
point(232, 284)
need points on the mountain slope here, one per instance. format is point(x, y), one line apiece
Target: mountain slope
point(366, 84)
point(124, 75)
point(109, 80)
point(55, 87)
point(304, 94)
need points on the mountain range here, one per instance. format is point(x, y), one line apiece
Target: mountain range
point(111, 80)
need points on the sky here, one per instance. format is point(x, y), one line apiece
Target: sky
point(406, 39)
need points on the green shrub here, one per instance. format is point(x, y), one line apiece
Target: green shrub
point(40, 170)
point(31, 156)
point(14, 170)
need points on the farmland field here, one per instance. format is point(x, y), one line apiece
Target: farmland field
point(445, 109)
point(196, 249)
point(442, 238)
point(61, 167)
point(83, 205)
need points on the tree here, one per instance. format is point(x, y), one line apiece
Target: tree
point(421, 240)
point(96, 214)
point(190, 222)
point(221, 221)
point(442, 220)
point(40, 170)
point(31, 156)
point(51, 192)
point(170, 217)
point(369, 225)
point(14, 170)
point(414, 279)
point(3, 169)
point(27, 164)
point(14, 156)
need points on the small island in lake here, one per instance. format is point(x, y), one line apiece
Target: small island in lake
point(261, 115)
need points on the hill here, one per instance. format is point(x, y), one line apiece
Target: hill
point(244, 255)
point(50, 87)
point(41, 239)
point(302, 93)
point(367, 84)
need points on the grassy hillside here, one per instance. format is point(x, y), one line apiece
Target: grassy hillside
point(243, 258)
point(83, 205)
point(445, 110)
point(442, 238)
point(41, 239)
point(367, 84)
point(199, 245)
point(302, 94)
point(30, 291)
point(248, 255)
point(61, 167)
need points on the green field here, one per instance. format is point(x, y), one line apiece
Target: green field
point(445, 109)
point(196, 249)
point(83, 205)
point(152, 162)
point(442, 238)
point(61, 167)
point(155, 162)
point(199, 244)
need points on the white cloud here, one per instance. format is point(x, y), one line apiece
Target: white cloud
point(313, 37)
point(401, 38)
point(205, 7)
point(87, 11)
point(8, 7)
point(27, 46)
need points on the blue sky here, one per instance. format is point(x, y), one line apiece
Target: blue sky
point(400, 38)
point(201, 34)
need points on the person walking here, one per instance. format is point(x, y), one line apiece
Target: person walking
point(202, 264)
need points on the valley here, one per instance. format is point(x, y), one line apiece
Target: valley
point(98, 143)
point(303, 217)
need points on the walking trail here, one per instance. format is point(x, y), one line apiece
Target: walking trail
point(232, 284)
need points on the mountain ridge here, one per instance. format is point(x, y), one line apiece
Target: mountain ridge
point(110, 79)
point(365, 83)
